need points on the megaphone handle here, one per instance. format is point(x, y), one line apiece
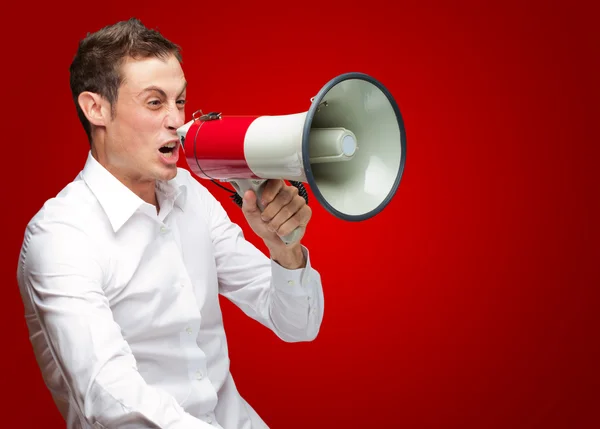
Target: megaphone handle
point(258, 185)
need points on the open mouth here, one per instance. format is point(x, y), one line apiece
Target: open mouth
point(168, 149)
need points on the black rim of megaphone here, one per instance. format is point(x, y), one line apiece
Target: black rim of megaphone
point(306, 155)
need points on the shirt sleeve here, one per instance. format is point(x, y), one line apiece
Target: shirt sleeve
point(289, 302)
point(61, 278)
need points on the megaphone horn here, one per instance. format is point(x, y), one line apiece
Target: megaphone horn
point(350, 147)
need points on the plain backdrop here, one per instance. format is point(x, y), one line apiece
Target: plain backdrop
point(470, 301)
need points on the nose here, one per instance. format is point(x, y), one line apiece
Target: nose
point(175, 118)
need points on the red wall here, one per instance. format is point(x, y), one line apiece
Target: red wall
point(470, 301)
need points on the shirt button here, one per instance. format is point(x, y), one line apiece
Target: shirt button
point(198, 375)
point(163, 229)
point(291, 282)
point(188, 330)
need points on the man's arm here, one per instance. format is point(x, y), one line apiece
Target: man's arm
point(61, 277)
point(283, 292)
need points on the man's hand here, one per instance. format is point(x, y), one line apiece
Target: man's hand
point(284, 211)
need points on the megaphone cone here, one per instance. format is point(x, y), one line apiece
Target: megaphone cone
point(350, 147)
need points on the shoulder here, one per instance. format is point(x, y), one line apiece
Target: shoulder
point(74, 205)
point(66, 226)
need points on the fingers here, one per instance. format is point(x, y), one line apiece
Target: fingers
point(271, 191)
point(286, 212)
point(299, 218)
point(285, 195)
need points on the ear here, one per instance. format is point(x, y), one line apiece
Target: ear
point(95, 108)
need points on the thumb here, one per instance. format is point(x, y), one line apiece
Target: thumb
point(249, 206)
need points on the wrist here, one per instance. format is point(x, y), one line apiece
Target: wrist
point(290, 257)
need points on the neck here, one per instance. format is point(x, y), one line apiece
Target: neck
point(145, 189)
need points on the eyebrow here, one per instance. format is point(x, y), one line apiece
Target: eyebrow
point(161, 91)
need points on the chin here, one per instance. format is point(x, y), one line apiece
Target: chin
point(167, 174)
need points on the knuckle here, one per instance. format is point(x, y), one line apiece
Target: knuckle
point(287, 196)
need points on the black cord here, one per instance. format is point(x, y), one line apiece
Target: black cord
point(301, 189)
point(237, 199)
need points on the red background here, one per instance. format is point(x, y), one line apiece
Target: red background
point(470, 301)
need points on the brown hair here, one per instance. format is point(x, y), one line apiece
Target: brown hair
point(97, 63)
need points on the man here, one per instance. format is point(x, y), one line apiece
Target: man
point(120, 273)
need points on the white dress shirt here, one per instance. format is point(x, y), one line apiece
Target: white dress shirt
point(121, 303)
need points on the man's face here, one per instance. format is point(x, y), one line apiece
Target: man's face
point(141, 142)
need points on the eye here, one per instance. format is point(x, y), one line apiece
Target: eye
point(154, 103)
point(181, 102)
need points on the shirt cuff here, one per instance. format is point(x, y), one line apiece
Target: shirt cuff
point(292, 281)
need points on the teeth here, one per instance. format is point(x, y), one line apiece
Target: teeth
point(170, 145)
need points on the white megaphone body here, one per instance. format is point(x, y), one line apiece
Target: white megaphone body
point(350, 147)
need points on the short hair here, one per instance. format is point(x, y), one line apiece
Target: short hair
point(96, 66)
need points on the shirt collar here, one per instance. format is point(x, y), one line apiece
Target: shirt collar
point(119, 202)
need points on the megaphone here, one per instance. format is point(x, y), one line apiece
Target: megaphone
point(349, 146)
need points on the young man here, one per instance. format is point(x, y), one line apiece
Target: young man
point(120, 273)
